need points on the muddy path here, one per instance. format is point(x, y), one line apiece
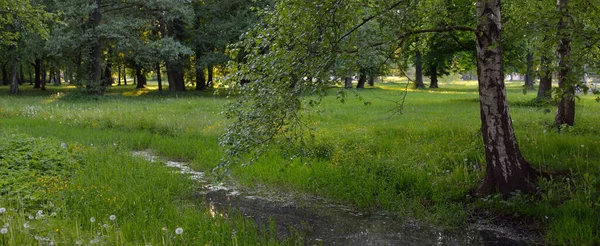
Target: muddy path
point(326, 223)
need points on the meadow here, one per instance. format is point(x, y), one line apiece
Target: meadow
point(69, 156)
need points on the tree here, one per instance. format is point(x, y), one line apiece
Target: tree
point(270, 106)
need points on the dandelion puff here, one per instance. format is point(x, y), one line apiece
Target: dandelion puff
point(3, 231)
point(64, 145)
point(2, 210)
point(179, 231)
point(26, 226)
point(105, 226)
point(582, 146)
point(112, 217)
point(92, 219)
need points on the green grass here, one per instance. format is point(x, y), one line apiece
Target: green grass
point(423, 163)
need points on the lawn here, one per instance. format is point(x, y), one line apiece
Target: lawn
point(423, 162)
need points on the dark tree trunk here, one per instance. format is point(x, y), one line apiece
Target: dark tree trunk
point(57, 77)
point(419, 71)
point(141, 78)
point(507, 170)
point(158, 77)
point(119, 75)
point(371, 80)
point(5, 76)
point(529, 83)
point(125, 75)
point(200, 78)
point(44, 77)
point(30, 77)
point(348, 83)
point(566, 105)
point(210, 82)
point(38, 73)
point(174, 68)
point(95, 66)
point(362, 79)
point(14, 82)
point(434, 77)
point(108, 79)
point(545, 88)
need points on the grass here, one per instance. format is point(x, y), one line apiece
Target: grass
point(423, 163)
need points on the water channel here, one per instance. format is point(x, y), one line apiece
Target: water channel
point(325, 223)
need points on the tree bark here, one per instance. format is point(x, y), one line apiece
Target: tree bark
point(565, 113)
point(348, 83)
point(14, 82)
point(118, 75)
point(372, 80)
point(95, 65)
point(362, 79)
point(38, 73)
point(108, 79)
point(419, 71)
point(210, 82)
point(529, 83)
point(434, 77)
point(507, 170)
point(44, 77)
point(21, 75)
point(141, 78)
point(545, 88)
point(5, 76)
point(158, 77)
point(200, 78)
point(174, 68)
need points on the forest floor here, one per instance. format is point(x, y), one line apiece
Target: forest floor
point(363, 154)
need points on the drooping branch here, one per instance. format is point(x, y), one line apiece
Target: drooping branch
point(367, 19)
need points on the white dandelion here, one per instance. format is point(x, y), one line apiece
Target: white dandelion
point(92, 219)
point(2, 210)
point(26, 226)
point(112, 217)
point(3, 231)
point(179, 231)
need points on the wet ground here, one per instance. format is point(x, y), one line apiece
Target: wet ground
point(324, 223)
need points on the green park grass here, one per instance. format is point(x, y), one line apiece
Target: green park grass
point(424, 163)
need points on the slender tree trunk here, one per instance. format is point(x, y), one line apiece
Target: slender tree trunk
point(108, 79)
point(5, 76)
point(14, 82)
point(210, 82)
point(372, 80)
point(529, 83)
point(545, 88)
point(362, 79)
point(21, 75)
point(507, 170)
point(200, 78)
point(44, 77)
point(158, 77)
point(124, 75)
point(118, 75)
point(565, 113)
point(30, 77)
point(38, 73)
point(419, 71)
point(95, 85)
point(434, 77)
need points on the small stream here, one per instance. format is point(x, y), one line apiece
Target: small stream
point(324, 223)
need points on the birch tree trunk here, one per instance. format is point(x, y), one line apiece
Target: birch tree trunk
point(506, 170)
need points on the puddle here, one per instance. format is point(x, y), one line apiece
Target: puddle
point(324, 223)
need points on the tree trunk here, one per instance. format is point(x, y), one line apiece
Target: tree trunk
point(348, 83)
point(371, 80)
point(158, 77)
point(565, 113)
point(5, 76)
point(529, 83)
point(419, 71)
point(124, 75)
point(118, 75)
point(174, 68)
point(14, 82)
point(210, 82)
point(507, 170)
point(108, 79)
point(141, 78)
point(95, 66)
point(434, 77)
point(362, 79)
point(38, 73)
point(545, 88)
point(200, 78)
point(21, 75)
point(44, 77)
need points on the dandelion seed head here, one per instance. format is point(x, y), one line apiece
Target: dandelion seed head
point(26, 226)
point(582, 146)
point(112, 217)
point(179, 231)
point(92, 219)
point(3, 231)
point(64, 145)
point(2, 210)
point(105, 225)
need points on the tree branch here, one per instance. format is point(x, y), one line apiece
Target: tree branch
point(366, 20)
